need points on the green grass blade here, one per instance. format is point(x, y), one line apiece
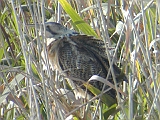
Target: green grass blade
point(77, 20)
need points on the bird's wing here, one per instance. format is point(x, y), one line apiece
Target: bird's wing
point(89, 42)
point(81, 57)
point(78, 62)
point(97, 47)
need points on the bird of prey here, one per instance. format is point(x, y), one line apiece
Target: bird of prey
point(79, 56)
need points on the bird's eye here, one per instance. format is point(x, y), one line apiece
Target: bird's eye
point(51, 30)
point(48, 26)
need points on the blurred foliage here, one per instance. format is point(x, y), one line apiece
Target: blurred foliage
point(29, 92)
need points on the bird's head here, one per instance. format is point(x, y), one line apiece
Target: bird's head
point(56, 30)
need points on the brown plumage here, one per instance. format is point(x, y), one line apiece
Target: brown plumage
point(79, 56)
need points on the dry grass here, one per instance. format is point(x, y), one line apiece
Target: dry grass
point(131, 31)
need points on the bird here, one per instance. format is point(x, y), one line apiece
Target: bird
point(79, 56)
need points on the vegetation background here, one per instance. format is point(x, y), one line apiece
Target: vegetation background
point(131, 31)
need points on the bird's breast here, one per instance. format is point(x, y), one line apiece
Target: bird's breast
point(53, 49)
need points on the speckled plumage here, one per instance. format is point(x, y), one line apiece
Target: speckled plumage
point(80, 56)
